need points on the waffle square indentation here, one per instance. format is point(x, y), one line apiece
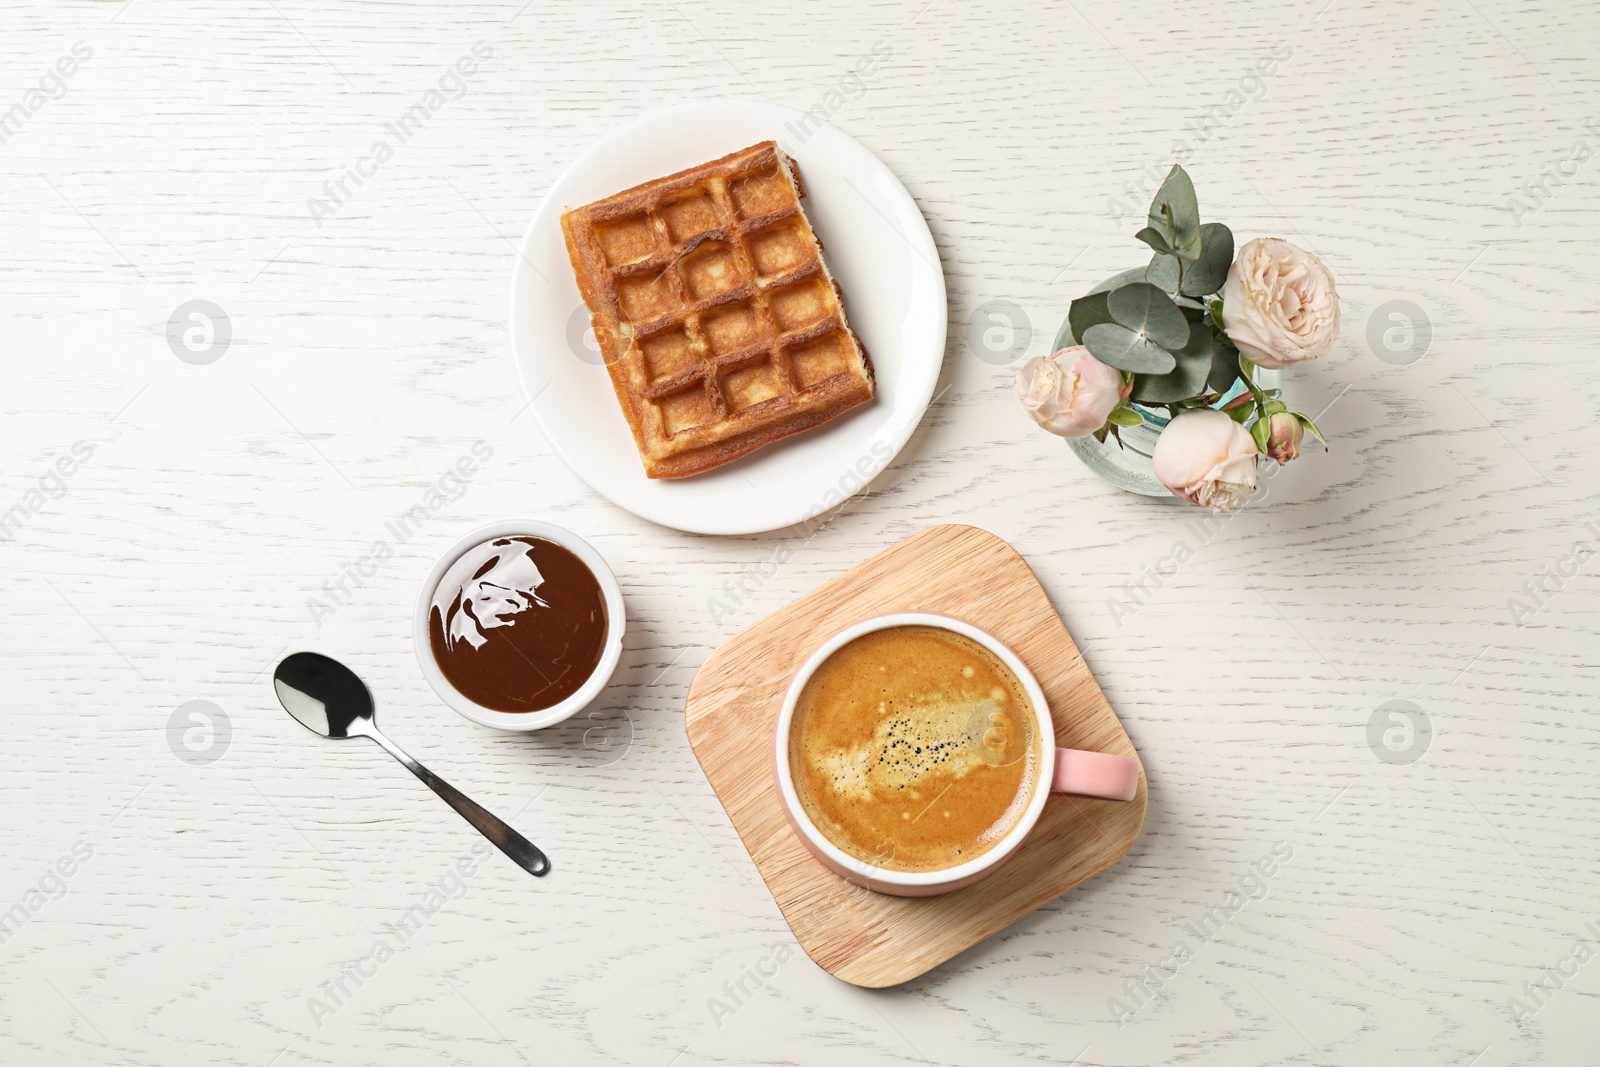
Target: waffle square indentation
point(687, 409)
point(627, 241)
point(751, 385)
point(732, 329)
point(711, 270)
point(806, 303)
point(780, 249)
point(667, 355)
point(649, 296)
point(690, 217)
point(830, 354)
point(761, 194)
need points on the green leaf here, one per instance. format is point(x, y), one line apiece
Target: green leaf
point(1087, 311)
point(1125, 416)
point(1155, 239)
point(1163, 272)
point(1214, 308)
point(1240, 413)
point(1308, 424)
point(1122, 348)
point(1176, 212)
point(1258, 430)
point(1145, 309)
point(1188, 377)
point(1224, 366)
point(1207, 273)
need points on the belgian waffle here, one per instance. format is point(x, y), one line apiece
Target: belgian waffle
point(718, 320)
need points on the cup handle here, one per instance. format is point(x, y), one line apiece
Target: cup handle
point(1095, 774)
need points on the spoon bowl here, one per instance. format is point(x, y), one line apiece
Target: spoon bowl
point(323, 695)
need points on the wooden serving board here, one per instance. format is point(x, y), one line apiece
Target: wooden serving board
point(863, 937)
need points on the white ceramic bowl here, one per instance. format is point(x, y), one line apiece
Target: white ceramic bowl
point(610, 652)
point(913, 883)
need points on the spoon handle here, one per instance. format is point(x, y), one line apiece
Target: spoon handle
point(519, 848)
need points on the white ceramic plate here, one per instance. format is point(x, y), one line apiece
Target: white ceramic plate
point(878, 247)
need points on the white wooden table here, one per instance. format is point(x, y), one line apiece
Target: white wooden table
point(212, 906)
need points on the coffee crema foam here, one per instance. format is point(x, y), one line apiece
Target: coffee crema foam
point(914, 748)
point(905, 749)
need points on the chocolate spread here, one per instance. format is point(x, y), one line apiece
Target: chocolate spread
point(518, 624)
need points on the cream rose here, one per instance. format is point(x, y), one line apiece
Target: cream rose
point(1206, 458)
point(1069, 393)
point(1279, 304)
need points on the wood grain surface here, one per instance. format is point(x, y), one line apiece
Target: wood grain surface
point(369, 353)
point(863, 937)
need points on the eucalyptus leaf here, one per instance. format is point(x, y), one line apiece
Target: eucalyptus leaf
point(1122, 348)
point(1163, 272)
point(1201, 337)
point(1087, 311)
point(1176, 211)
point(1123, 416)
point(1224, 366)
point(1188, 378)
point(1145, 309)
point(1206, 274)
point(1155, 239)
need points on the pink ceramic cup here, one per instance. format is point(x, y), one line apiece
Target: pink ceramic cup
point(1073, 771)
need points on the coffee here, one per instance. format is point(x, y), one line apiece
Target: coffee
point(518, 624)
point(914, 748)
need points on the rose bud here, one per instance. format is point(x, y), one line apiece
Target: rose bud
point(1279, 305)
point(1069, 393)
point(1206, 458)
point(1283, 437)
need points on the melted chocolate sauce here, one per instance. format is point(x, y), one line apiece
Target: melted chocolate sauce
point(518, 624)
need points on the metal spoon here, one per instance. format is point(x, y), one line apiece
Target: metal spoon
point(327, 698)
